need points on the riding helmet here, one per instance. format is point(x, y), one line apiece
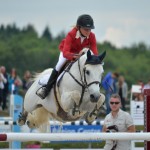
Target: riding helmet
point(85, 21)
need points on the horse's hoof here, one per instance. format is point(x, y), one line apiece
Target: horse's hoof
point(75, 112)
point(21, 122)
point(22, 119)
point(90, 118)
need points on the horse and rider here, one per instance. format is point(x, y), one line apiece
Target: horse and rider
point(78, 92)
point(78, 38)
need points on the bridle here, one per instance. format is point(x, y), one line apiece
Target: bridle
point(83, 82)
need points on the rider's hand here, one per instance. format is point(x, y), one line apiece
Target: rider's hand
point(76, 56)
point(80, 53)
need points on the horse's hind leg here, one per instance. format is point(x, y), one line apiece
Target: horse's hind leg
point(40, 116)
point(22, 118)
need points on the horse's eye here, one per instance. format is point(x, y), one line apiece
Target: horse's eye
point(87, 72)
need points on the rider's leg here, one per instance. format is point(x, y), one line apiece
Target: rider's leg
point(44, 91)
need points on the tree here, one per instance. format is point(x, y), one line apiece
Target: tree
point(30, 31)
point(47, 34)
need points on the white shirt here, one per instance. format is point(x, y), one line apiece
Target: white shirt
point(123, 120)
point(2, 81)
point(78, 35)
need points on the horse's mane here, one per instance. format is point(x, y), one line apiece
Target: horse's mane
point(40, 74)
point(85, 50)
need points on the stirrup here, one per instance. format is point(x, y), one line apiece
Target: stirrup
point(42, 92)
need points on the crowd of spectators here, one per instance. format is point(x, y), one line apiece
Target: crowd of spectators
point(12, 83)
point(115, 83)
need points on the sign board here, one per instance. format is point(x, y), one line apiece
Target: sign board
point(136, 89)
point(137, 112)
point(75, 128)
point(137, 107)
point(56, 128)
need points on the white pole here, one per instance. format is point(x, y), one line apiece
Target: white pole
point(11, 109)
point(73, 136)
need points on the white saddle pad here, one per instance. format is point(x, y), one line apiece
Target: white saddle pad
point(44, 79)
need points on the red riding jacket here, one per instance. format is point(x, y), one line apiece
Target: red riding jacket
point(72, 44)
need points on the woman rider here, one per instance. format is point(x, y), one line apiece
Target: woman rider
point(70, 48)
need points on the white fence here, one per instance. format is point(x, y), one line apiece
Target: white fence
point(73, 136)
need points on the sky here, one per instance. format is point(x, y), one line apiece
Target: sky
point(121, 22)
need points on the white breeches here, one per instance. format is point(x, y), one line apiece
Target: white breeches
point(61, 62)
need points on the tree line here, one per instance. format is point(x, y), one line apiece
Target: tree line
point(24, 50)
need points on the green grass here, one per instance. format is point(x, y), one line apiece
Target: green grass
point(59, 145)
point(4, 145)
point(66, 145)
point(139, 144)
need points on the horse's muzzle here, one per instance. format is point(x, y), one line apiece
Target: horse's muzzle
point(94, 98)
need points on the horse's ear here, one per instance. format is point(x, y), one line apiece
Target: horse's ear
point(102, 56)
point(88, 54)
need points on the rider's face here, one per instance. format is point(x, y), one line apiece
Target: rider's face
point(85, 31)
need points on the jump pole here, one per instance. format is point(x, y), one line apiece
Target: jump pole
point(147, 115)
point(24, 137)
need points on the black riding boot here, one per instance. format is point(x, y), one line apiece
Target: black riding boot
point(43, 91)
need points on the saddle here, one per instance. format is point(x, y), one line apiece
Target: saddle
point(43, 81)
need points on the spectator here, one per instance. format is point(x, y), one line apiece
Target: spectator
point(109, 85)
point(147, 86)
point(26, 80)
point(14, 82)
point(5, 89)
point(122, 90)
point(117, 121)
point(3, 80)
point(139, 96)
point(140, 82)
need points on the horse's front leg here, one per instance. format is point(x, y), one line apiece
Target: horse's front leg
point(70, 100)
point(93, 115)
point(101, 100)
